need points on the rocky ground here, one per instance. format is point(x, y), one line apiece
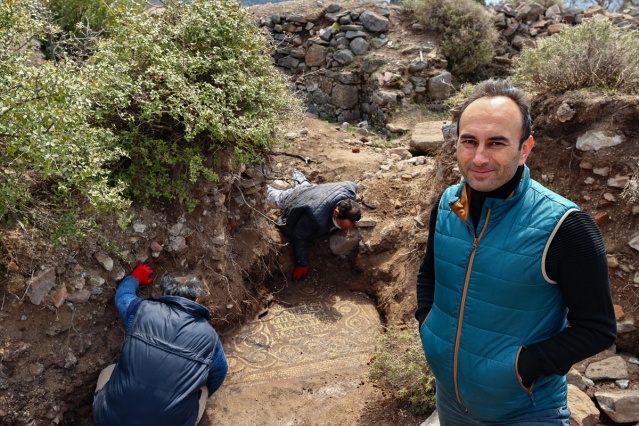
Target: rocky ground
point(59, 327)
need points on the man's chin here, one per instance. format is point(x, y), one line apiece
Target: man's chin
point(481, 185)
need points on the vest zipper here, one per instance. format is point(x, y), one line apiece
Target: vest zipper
point(460, 320)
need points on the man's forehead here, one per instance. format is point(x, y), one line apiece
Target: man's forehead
point(487, 106)
point(492, 102)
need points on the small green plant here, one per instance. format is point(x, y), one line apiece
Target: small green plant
point(454, 103)
point(607, 62)
point(399, 365)
point(468, 34)
point(191, 204)
point(460, 95)
point(111, 247)
point(328, 119)
point(124, 220)
point(384, 143)
point(68, 226)
point(545, 3)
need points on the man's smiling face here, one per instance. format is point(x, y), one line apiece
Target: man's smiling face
point(488, 153)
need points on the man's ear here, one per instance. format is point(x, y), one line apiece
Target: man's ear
point(526, 147)
point(335, 212)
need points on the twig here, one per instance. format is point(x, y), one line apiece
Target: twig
point(22, 226)
point(72, 318)
point(305, 159)
point(253, 208)
point(26, 290)
point(228, 286)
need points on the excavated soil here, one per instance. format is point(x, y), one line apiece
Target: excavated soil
point(298, 352)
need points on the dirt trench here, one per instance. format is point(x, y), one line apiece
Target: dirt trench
point(303, 357)
point(52, 353)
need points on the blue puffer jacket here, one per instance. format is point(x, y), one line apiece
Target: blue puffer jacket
point(492, 297)
point(165, 360)
point(307, 213)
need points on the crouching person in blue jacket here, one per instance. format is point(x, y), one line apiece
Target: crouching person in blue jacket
point(172, 359)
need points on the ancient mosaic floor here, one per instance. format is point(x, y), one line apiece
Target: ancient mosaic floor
point(306, 330)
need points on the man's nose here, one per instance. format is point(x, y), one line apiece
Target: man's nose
point(481, 155)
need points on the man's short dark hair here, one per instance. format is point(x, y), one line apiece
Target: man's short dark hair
point(494, 88)
point(349, 209)
point(188, 286)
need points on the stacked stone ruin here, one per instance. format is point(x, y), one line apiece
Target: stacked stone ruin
point(338, 59)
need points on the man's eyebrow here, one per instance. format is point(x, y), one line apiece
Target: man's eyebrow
point(499, 138)
point(492, 138)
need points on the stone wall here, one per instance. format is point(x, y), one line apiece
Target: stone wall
point(348, 69)
point(337, 62)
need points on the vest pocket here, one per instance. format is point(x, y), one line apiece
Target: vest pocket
point(439, 353)
point(521, 382)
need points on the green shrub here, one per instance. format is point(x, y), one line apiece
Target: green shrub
point(595, 55)
point(399, 365)
point(51, 157)
point(149, 113)
point(468, 34)
point(189, 83)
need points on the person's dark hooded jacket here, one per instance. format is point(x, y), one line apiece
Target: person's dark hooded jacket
point(308, 213)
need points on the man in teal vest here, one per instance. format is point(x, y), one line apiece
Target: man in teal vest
point(509, 265)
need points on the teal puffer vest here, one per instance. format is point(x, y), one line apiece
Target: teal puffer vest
point(492, 297)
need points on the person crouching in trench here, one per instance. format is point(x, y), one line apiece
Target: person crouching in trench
point(172, 359)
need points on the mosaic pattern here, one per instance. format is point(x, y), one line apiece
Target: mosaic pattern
point(319, 332)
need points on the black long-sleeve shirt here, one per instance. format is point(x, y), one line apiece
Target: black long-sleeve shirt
point(576, 260)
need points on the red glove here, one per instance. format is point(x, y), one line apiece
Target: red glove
point(143, 274)
point(300, 272)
